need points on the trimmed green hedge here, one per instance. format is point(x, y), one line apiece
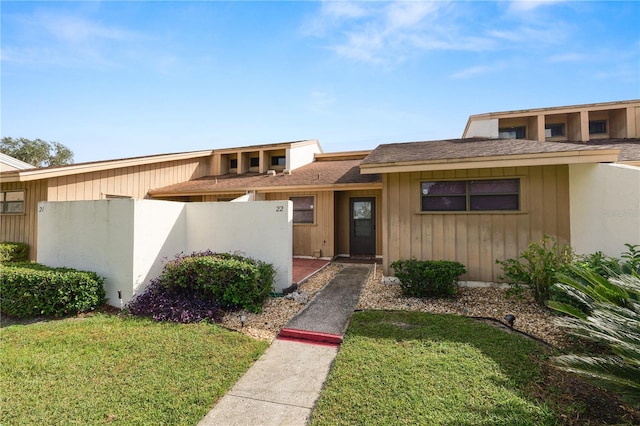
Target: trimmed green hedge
point(423, 278)
point(13, 252)
point(231, 280)
point(29, 290)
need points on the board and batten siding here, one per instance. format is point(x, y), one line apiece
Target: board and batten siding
point(308, 238)
point(474, 239)
point(133, 181)
point(23, 228)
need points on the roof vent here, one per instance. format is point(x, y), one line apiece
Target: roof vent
point(271, 172)
point(286, 172)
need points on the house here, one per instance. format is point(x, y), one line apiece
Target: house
point(578, 123)
point(568, 172)
point(9, 163)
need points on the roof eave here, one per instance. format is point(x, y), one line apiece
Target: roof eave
point(522, 160)
point(47, 173)
point(269, 189)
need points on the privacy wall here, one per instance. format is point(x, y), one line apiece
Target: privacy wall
point(605, 207)
point(128, 241)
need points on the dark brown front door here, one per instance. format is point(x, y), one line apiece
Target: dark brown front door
point(362, 227)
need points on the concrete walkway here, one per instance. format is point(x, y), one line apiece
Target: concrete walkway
point(281, 388)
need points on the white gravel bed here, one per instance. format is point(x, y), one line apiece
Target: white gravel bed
point(487, 302)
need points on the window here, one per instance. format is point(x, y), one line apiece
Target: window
point(302, 209)
point(597, 126)
point(254, 162)
point(233, 163)
point(512, 132)
point(472, 195)
point(554, 130)
point(278, 160)
point(12, 202)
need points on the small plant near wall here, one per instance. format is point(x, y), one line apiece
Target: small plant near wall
point(13, 252)
point(631, 263)
point(537, 267)
point(424, 278)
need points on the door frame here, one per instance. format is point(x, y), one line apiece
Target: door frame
point(371, 244)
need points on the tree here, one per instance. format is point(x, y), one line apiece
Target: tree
point(37, 152)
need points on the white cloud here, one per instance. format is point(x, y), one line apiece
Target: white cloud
point(524, 6)
point(386, 33)
point(75, 29)
point(471, 71)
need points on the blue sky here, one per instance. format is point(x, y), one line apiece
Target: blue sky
point(122, 79)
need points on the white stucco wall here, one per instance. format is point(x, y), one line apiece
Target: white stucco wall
point(128, 241)
point(159, 234)
point(92, 236)
point(483, 128)
point(605, 207)
point(261, 230)
point(302, 155)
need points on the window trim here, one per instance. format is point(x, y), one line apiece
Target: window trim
point(4, 203)
point(312, 209)
point(521, 182)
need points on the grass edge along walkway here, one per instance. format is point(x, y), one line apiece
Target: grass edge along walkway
point(418, 368)
point(105, 368)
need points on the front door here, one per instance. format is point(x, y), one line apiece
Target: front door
point(362, 227)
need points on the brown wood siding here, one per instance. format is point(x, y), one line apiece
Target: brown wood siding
point(307, 238)
point(342, 218)
point(134, 181)
point(474, 239)
point(23, 228)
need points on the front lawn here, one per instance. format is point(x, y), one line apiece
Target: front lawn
point(418, 368)
point(105, 368)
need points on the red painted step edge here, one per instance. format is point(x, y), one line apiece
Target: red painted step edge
point(310, 336)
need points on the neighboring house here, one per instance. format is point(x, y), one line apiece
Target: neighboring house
point(578, 123)
point(8, 163)
point(476, 199)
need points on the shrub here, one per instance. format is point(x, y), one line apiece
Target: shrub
point(30, 290)
point(218, 280)
point(174, 304)
point(631, 264)
point(599, 263)
point(423, 278)
point(13, 252)
point(537, 267)
point(613, 319)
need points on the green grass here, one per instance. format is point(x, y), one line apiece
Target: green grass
point(122, 370)
point(416, 368)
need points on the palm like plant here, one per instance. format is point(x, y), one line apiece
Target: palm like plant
point(611, 317)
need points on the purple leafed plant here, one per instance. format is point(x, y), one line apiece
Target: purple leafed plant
point(175, 305)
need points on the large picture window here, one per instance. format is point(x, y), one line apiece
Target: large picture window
point(302, 209)
point(471, 195)
point(11, 202)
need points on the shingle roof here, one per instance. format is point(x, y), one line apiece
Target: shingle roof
point(629, 148)
point(451, 149)
point(316, 174)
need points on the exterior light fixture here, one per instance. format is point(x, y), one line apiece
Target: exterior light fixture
point(510, 319)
